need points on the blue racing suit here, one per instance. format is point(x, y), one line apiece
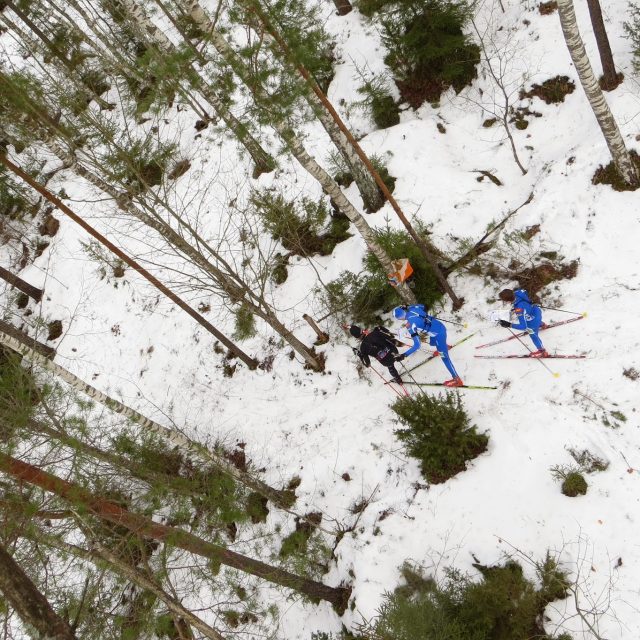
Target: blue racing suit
point(529, 316)
point(418, 322)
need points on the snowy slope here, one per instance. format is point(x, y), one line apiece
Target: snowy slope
point(322, 426)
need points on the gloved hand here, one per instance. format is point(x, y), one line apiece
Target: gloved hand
point(436, 353)
point(355, 351)
point(400, 357)
point(530, 331)
point(504, 323)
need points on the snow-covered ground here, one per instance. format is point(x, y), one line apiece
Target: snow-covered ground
point(321, 426)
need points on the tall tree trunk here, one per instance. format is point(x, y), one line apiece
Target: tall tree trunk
point(32, 607)
point(145, 527)
point(610, 77)
point(292, 139)
point(175, 438)
point(348, 145)
point(19, 283)
point(250, 362)
point(621, 157)
point(264, 162)
point(43, 349)
point(343, 7)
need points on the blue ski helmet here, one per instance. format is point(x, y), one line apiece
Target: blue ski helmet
point(399, 313)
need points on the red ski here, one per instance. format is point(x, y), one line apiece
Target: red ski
point(524, 333)
point(572, 357)
point(441, 384)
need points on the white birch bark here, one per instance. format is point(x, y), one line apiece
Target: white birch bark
point(293, 141)
point(607, 122)
point(172, 436)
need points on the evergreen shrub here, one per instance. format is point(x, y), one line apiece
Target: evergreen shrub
point(503, 605)
point(301, 227)
point(364, 296)
point(428, 50)
point(379, 101)
point(574, 485)
point(245, 324)
point(437, 432)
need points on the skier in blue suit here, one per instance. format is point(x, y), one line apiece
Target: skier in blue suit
point(528, 316)
point(418, 321)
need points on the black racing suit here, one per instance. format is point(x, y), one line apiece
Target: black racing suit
point(380, 344)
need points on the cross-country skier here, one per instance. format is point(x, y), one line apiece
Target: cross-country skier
point(418, 321)
point(379, 343)
point(528, 315)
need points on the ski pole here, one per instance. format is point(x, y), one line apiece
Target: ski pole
point(385, 382)
point(575, 313)
point(554, 374)
point(460, 324)
point(408, 372)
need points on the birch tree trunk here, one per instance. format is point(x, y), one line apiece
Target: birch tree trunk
point(609, 127)
point(19, 283)
point(173, 437)
point(264, 162)
point(32, 607)
point(25, 339)
point(145, 527)
point(293, 141)
point(610, 77)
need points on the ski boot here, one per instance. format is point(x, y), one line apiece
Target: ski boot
point(540, 353)
point(454, 382)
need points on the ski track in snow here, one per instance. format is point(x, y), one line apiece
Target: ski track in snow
point(321, 426)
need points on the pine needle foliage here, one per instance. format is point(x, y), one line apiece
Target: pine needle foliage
point(245, 324)
point(437, 432)
point(18, 395)
point(502, 605)
point(13, 199)
point(301, 27)
point(365, 296)
point(379, 101)
point(632, 31)
point(428, 49)
point(303, 226)
point(140, 164)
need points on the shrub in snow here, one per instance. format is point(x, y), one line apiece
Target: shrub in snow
point(428, 49)
point(379, 101)
point(245, 324)
point(503, 605)
point(437, 432)
point(574, 485)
